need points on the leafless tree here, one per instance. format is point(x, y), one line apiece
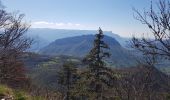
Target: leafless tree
point(13, 43)
point(158, 21)
point(141, 83)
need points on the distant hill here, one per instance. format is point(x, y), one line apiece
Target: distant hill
point(79, 46)
point(44, 36)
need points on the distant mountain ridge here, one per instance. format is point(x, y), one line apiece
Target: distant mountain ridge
point(44, 36)
point(79, 46)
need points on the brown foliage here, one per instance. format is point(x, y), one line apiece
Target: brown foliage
point(13, 43)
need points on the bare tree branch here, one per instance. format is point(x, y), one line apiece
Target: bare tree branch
point(158, 21)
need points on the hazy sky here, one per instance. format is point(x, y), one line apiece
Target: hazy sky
point(111, 15)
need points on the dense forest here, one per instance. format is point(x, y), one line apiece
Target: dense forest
point(87, 67)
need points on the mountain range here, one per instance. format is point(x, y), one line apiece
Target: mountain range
point(46, 39)
point(44, 36)
point(79, 46)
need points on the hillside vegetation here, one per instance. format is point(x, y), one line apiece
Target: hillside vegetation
point(7, 93)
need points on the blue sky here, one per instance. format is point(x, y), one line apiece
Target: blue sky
point(110, 15)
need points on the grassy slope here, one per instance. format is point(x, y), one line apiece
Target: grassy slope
point(16, 94)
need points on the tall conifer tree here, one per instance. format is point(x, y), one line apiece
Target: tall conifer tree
point(67, 77)
point(100, 74)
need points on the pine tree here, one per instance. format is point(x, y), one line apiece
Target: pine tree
point(99, 74)
point(67, 77)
